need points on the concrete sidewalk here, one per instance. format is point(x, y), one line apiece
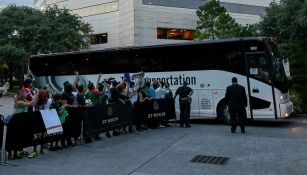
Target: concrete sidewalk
point(6, 105)
point(279, 148)
point(267, 148)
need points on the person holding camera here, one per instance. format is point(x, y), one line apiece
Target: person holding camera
point(21, 104)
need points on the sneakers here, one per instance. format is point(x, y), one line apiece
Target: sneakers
point(19, 154)
point(33, 154)
point(13, 157)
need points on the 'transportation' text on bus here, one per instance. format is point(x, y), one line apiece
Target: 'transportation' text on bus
point(207, 66)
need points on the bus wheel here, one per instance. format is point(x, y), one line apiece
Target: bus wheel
point(223, 113)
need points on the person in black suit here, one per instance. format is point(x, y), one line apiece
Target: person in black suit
point(236, 100)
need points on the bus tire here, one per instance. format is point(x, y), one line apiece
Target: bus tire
point(223, 113)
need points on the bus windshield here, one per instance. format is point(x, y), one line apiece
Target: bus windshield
point(279, 76)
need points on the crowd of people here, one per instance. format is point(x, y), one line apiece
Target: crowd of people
point(133, 89)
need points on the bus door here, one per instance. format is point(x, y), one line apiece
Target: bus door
point(205, 102)
point(259, 91)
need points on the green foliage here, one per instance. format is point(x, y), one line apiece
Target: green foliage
point(227, 27)
point(249, 30)
point(208, 15)
point(297, 101)
point(25, 31)
point(69, 32)
point(296, 56)
point(19, 26)
point(8, 51)
point(298, 63)
point(215, 23)
point(200, 35)
point(286, 21)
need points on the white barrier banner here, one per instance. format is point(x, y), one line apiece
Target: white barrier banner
point(51, 121)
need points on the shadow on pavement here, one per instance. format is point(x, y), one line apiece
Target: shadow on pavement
point(255, 122)
point(270, 123)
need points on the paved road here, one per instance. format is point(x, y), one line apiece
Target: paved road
point(267, 148)
point(6, 105)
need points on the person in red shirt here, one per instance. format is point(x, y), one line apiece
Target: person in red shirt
point(28, 92)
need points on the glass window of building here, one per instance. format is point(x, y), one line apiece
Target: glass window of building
point(53, 1)
point(99, 38)
point(194, 4)
point(188, 34)
point(178, 34)
point(161, 33)
point(174, 34)
point(108, 7)
point(115, 6)
point(97, 9)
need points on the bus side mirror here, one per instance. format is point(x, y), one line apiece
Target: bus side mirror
point(279, 70)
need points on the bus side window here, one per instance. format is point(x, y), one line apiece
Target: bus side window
point(258, 67)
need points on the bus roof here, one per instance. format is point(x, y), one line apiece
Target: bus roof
point(153, 46)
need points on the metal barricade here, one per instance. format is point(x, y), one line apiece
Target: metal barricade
point(3, 155)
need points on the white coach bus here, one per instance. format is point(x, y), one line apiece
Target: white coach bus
point(207, 66)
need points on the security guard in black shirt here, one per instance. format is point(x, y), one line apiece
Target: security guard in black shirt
point(236, 100)
point(185, 100)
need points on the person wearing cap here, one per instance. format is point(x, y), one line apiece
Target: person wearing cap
point(236, 100)
point(185, 99)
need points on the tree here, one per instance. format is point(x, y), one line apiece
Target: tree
point(11, 57)
point(14, 36)
point(249, 30)
point(298, 63)
point(286, 21)
point(25, 31)
point(69, 32)
point(214, 22)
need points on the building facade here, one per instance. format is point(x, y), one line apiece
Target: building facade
point(120, 23)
